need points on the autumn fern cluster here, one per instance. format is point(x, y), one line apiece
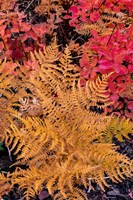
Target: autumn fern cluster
point(66, 73)
point(53, 132)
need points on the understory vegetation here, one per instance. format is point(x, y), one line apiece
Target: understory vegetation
point(66, 99)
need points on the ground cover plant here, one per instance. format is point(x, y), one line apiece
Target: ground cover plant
point(66, 99)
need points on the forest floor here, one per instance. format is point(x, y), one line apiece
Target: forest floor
point(117, 191)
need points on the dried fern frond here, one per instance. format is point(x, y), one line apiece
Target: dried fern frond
point(96, 90)
point(39, 143)
point(29, 181)
point(106, 23)
point(47, 5)
point(5, 186)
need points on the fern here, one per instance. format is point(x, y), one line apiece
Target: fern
point(83, 156)
point(120, 129)
point(5, 185)
point(54, 133)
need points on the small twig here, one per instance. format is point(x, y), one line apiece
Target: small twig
point(4, 172)
point(28, 5)
point(101, 5)
point(76, 57)
point(111, 34)
point(9, 153)
point(61, 28)
point(80, 37)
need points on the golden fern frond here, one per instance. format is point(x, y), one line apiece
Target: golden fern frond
point(29, 181)
point(121, 168)
point(106, 23)
point(19, 142)
point(112, 17)
point(119, 129)
point(96, 90)
point(122, 128)
point(51, 184)
point(46, 6)
point(76, 194)
point(111, 163)
point(5, 186)
point(49, 55)
point(99, 26)
point(8, 98)
point(11, 86)
point(66, 64)
point(48, 67)
point(5, 78)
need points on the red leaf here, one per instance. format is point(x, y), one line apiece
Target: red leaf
point(29, 34)
point(15, 28)
point(25, 27)
point(39, 29)
point(28, 48)
point(2, 30)
point(32, 34)
point(129, 114)
point(74, 10)
point(1, 46)
point(105, 64)
point(17, 54)
point(94, 16)
point(2, 21)
point(114, 97)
